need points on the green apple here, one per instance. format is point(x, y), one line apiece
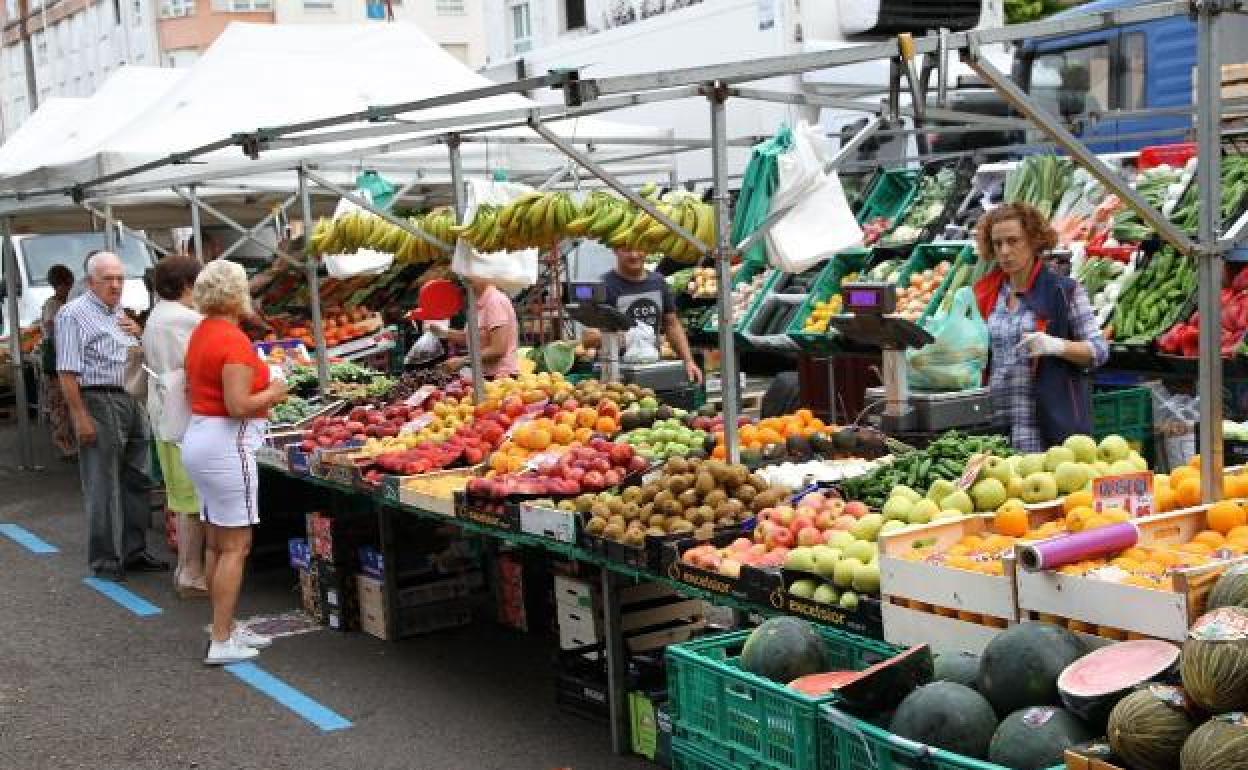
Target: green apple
point(840, 539)
point(941, 489)
point(959, 501)
point(804, 588)
point(1056, 456)
point(800, 559)
point(1113, 448)
point(892, 525)
point(897, 508)
point(901, 490)
point(1083, 446)
point(849, 601)
point(845, 570)
point(1039, 488)
point(1029, 464)
point(1014, 488)
point(868, 527)
point(1071, 477)
point(923, 511)
point(1139, 462)
point(862, 550)
point(1120, 467)
point(988, 494)
point(998, 468)
point(825, 563)
point(867, 579)
point(825, 594)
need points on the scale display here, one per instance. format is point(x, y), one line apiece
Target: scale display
point(869, 298)
point(586, 292)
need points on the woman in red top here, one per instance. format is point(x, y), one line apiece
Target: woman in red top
point(230, 393)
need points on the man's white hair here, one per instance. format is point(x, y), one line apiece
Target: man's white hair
point(98, 259)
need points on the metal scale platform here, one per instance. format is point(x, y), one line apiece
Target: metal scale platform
point(587, 305)
point(871, 319)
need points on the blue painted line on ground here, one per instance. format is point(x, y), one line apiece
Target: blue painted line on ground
point(27, 539)
point(128, 599)
point(314, 712)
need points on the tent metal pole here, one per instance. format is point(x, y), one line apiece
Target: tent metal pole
point(1079, 152)
point(615, 184)
point(26, 459)
point(236, 226)
point(1209, 255)
point(132, 233)
point(110, 229)
point(312, 269)
point(472, 331)
point(254, 232)
point(197, 225)
point(1237, 231)
point(398, 222)
point(717, 97)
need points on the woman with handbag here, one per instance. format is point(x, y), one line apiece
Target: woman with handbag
point(61, 279)
point(231, 391)
point(165, 337)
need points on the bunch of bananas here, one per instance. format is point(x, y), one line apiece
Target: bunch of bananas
point(357, 230)
point(604, 217)
point(534, 220)
point(653, 237)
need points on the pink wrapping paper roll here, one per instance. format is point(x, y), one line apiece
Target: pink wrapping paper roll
point(1068, 549)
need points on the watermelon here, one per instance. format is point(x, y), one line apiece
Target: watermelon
point(1020, 666)
point(878, 688)
point(1036, 737)
point(949, 716)
point(1092, 685)
point(783, 649)
point(1231, 590)
point(1214, 665)
point(1219, 744)
point(1148, 727)
point(960, 667)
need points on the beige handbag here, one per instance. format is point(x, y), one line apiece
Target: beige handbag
point(136, 374)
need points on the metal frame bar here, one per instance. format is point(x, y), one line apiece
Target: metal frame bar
point(312, 271)
point(26, 458)
point(255, 231)
point(131, 231)
point(197, 227)
point(368, 206)
point(225, 218)
point(615, 184)
point(1233, 236)
point(1079, 151)
point(472, 332)
point(717, 98)
point(1209, 256)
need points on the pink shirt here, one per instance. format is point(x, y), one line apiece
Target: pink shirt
point(494, 311)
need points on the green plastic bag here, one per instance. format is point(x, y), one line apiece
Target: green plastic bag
point(757, 187)
point(381, 191)
point(958, 353)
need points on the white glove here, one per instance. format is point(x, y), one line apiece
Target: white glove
point(1036, 344)
point(439, 328)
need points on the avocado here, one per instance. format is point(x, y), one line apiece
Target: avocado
point(663, 413)
point(822, 444)
point(708, 410)
point(751, 459)
point(647, 418)
point(845, 440)
point(798, 448)
point(774, 453)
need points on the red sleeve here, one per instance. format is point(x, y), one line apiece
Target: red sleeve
point(237, 349)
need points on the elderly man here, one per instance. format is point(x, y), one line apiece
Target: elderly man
point(93, 340)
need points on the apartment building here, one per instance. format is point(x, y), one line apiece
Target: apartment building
point(456, 25)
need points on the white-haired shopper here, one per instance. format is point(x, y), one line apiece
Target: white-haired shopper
point(230, 393)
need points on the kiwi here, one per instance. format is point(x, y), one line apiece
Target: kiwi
point(715, 498)
point(635, 538)
point(689, 498)
point(704, 532)
point(681, 526)
point(731, 508)
point(613, 519)
point(656, 532)
point(738, 476)
point(756, 481)
point(718, 470)
point(745, 493)
point(596, 525)
point(657, 520)
point(602, 510)
point(614, 531)
point(631, 512)
point(705, 483)
point(631, 495)
point(616, 506)
point(672, 508)
point(676, 466)
point(677, 484)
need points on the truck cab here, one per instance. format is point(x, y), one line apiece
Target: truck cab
point(36, 254)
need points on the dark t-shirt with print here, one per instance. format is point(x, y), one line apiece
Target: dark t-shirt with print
point(647, 300)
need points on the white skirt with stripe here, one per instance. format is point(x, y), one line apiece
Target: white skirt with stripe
point(219, 454)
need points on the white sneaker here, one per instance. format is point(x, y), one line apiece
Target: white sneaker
point(229, 651)
point(249, 638)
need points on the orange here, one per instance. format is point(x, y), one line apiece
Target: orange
point(562, 434)
point(1210, 538)
point(1077, 520)
point(1188, 492)
point(1238, 533)
point(1181, 474)
point(1196, 547)
point(1194, 462)
point(584, 434)
point(586, 417)
point(805, 415)
point(720, 452)
point(606, 425)
point(1235, 485)
point(1165, 499)
point(539, 439)
point(1081, 498)
point(1011, 521)
point(1225, 515)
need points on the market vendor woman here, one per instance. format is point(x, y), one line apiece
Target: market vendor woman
point(1045, 339)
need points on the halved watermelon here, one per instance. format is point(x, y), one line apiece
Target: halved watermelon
point(876, 689)
point(1091, 686)
point(818, 685)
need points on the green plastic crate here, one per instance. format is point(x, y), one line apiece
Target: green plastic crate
point(752, 719)
point(928, 255)
point(829, 283)
point(688, 755)
point(890, 196)
point(1122, 411)
point(849, 743)
point(966, 256)
point(744, 273)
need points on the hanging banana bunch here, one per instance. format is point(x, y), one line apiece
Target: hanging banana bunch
point(536, 219)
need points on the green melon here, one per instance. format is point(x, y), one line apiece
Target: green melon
point(949, 716)
point(1219, 744)
point(960, 667)
point(1035, 738)
point(1214, 665)
point(1231, 590)
point(783, 649)
point(1020, 666)
point(1148, 727)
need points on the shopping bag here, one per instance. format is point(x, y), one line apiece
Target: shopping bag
point(363, 261)
point(757, 188)
point(380, 192)
point(958, 353)
point(510, 271)
point(169, 408)
point(821, 222)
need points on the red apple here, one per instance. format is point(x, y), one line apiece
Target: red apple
point(844, 521)
point(809, 536)
point(781, 536)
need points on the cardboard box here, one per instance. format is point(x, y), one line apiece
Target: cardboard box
point(310, 596)
point(413, 621)
point(337, 595)
point(372, 591)
point(1094, 757)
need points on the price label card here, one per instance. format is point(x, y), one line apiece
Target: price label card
point(515, 425)
point(543, 460)
point(1132, 492)
point(416, 424)
point(973, 467)
point(421, 395)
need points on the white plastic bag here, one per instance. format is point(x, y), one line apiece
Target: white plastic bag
point(362, 261)
point(510, 271)
point(641, 345)
point(169, 408)
point(821, 222)
point(426, 348)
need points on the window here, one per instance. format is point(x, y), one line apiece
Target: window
point(173, 9)
point(573, 14)
point(137, 18)
point(242, 6)
point(1072, 82)
point(521, 28)
point(319, 6)
point(449, 7)
point(458, 50)
point(41, 252)
point(1134, 65)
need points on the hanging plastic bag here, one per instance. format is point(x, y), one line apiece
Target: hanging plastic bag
point(640, 345)
point(363, 261)
point(820, 223)
point(757, 188)
point(510, 271)
point(380, 191)
point(958, 353)
point(425, 349)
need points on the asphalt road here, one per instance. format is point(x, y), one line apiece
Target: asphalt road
point(84, 683)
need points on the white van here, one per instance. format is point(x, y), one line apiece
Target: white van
point(36, 254)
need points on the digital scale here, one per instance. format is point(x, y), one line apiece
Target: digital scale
point(587, 304)
point(870, 318)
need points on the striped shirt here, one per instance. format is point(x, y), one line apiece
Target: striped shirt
point(90, 342)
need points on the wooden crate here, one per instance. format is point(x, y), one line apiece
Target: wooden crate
point(1132, 609)
point(430, 502)
point(907, 627)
